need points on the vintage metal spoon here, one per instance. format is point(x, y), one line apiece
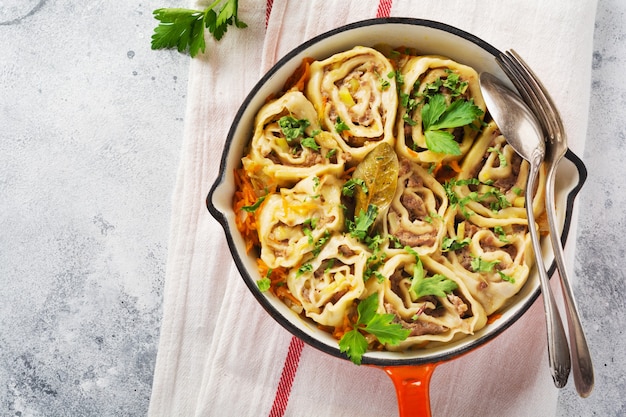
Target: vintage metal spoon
point(523, 132)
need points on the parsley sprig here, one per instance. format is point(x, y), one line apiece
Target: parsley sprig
point(438, 285)
point(437, 116)
point(354, 344)
point(183, 29)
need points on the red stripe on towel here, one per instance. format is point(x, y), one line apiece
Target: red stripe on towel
point(290, 368)
point(268, 11)
point(384, 8)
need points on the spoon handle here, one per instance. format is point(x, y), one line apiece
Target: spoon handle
point(582, 367)
point(558, 349)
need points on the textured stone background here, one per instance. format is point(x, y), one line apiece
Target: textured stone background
point(90, 129)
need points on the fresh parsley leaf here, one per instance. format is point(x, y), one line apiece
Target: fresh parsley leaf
point(407, 119)
point(458, 113)
point(441, 141)
point(309, 234)
point(340, 125)
point(438, 285)
point(436, 115)
point(433, 110)
point(376, 259)
point(183, 29)
point(354, 343)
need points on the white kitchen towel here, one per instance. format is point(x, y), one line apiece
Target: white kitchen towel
point(220, 354)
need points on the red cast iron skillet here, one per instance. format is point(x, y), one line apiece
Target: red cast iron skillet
point(410, 371)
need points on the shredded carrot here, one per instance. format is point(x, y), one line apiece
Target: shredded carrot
point(342, 329)
point(278, 282)
point(245, 195)
point(347, 174)
point(492, 318)
point(300, 76)
point(444, 172)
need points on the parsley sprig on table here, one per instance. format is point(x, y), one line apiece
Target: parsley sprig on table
point(354, 344)
point(183, 29)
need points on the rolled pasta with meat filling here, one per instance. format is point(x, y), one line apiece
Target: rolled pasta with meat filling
point(430, 318)
point(288, 144)
point(355, 94)
point(494, 264)
point(415, 216)
point(491, 185)
point(329, 284)
point(487, 244)
point(424, 78)
point(291, 223)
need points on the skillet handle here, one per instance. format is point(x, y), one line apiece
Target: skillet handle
point(412, 388)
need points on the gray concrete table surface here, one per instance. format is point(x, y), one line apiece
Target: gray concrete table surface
point(91, 122)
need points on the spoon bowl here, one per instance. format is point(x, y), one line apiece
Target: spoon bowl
point(523, 132)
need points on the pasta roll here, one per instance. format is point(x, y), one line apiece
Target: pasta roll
point(430, 318)
point(494, 264)
point(356, 98)
point(424, 77)
point(294, 222)
point(288, 144)
point(328, 285)
point(416, 213)
point(490, 187)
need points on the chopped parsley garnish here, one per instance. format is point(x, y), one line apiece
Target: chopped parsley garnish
point(310, 143)
point(478, 264)
point(340, 125)
point(501, 234)
point(506, 277)
point(264, 284)
point(376, 259)
point(451, 245)
point(321, 242)
point(454, 84)
point(362, 222)
point(304, 268)
point(293, 128)
point(501, 157)
point(256, 205)
point(350, 186)
point(498, 199)
point(354, 344)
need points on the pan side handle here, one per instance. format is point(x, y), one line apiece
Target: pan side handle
point(412, 388)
